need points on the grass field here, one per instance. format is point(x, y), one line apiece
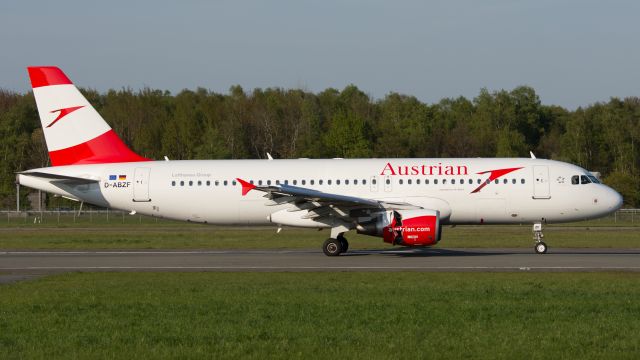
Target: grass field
point(193, 236)
point(322, 315)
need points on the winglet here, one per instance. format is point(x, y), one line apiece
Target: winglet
point(246, 186)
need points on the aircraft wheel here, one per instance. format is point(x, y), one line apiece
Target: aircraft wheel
point(332, 247)
point(541, 248)
point(344, 243)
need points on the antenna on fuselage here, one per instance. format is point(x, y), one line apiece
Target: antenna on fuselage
point(532, 156)
point(269, 157)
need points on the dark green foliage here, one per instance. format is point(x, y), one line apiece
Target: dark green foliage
point(200, 124)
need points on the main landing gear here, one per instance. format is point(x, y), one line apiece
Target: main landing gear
point(335, 247)
point(540, 247)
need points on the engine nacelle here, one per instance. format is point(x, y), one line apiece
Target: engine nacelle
point(405, 227)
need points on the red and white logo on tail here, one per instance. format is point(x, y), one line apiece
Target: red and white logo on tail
point(74, 131)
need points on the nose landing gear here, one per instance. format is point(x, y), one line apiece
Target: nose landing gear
point(540, 247)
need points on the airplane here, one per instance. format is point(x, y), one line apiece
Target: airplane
point(404, 201)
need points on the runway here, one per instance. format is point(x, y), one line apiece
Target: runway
point(26, 263)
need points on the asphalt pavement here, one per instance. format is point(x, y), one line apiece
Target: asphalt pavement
point(19, 265)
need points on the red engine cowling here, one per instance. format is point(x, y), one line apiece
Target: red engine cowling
point(407, 227)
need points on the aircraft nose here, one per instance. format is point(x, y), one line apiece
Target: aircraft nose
point(614, 199)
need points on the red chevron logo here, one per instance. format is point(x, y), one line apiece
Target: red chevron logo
point(493, 174)
point(63, 112)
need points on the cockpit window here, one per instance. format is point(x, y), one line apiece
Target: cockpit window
point(594, 179)
point(584, 179)
point(575, 180)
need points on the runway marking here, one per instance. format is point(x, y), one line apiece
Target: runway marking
point(157, 252)
point(323, 268)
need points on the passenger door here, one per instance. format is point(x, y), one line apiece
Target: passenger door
point(141, 185)
point(541, 186)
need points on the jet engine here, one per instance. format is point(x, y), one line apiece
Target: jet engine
point(405, 227)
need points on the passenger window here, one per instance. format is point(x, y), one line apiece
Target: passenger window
point(286, 182)
point(426, 181)
point(388, 181)
point(470, 181)
point(453, 181)
point(337, 181)
point(199, 183)
point(277, 182)
point(373, 181)
point(295, 182)
point(584, 179)
point(320, 182)
point(417, 181)
point(190, 182)
point(504, 181)
point(435, 181)
point(173, 183)
point(181, 183)
point(225, 183)
point(346, 182)
point(233, 183)
point(496, 181)
point(513, 181)
point(364, 182)
point(304, 182)
point(479, 181)
point(355, 181)
point(444, 181)
point(218, 183)
point(575, 180)
point(400, 181)
point(259, 183)
point(329, 182)
point(268, 182)
point(409, 181)
point(208, 182)
point(311, 182)
point(522, 181)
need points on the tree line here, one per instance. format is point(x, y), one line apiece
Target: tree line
point(294, 123)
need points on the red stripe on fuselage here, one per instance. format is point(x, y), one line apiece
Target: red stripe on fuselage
point(106, 148)
point(47, 75)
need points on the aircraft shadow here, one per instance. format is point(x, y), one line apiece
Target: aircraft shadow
point(430, 252)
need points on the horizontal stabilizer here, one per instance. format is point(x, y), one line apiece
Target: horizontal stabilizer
point(70, 179)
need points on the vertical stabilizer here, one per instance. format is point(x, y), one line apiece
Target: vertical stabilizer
point(74, 131)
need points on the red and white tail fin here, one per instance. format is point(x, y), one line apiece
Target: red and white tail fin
point(74, 131)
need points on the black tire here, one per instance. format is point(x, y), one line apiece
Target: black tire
point(344, 243)
point(332, 247)
point(541, 248)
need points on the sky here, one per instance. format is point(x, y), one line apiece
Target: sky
point(573, 52)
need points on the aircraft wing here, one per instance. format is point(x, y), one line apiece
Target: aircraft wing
point(320, 204)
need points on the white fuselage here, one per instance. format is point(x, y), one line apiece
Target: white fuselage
point(206, 190)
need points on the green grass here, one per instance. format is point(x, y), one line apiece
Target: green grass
point(193, 236)
point(322, 315)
